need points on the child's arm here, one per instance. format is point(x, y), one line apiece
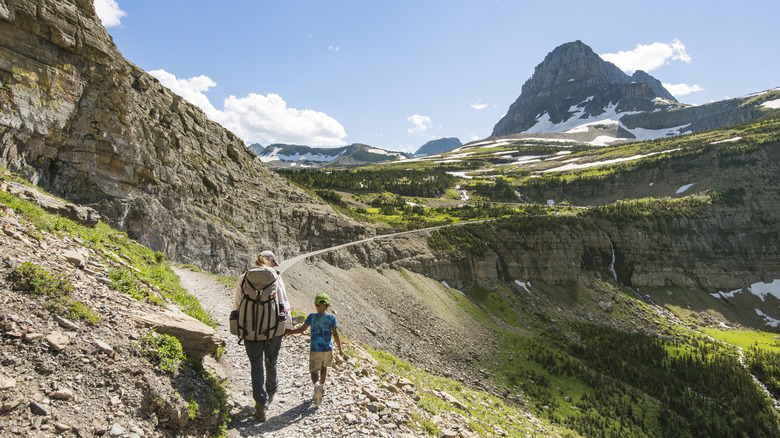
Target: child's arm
point(300, 329)
point(337, 339)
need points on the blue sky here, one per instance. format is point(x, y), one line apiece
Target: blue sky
point(397, 73)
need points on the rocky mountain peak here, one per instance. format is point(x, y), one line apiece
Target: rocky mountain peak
point(568, 66)
point(438, 146)
point(643, 77)
point(574, 86)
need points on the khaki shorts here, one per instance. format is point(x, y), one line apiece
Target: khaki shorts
point(319, 360)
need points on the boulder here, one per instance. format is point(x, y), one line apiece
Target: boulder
point(196, 338)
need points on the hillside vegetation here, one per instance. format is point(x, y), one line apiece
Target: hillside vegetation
point(73, 360)
point(424, 192)
point(590, 357)
point(591, 353)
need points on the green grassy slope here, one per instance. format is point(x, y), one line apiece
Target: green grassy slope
point(593, 355)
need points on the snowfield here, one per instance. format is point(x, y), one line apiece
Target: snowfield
point(610, 119)
point(572, 166)
point(275, 156)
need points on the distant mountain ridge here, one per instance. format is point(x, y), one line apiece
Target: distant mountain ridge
point(285, 155)
point(438, 146)
point(579, 96)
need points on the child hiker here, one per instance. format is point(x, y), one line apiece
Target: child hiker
point(323, 325)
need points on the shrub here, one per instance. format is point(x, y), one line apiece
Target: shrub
point(32, 278)
point(164, 351)
point(123, 281)
point(731, 196)
point(193, 407)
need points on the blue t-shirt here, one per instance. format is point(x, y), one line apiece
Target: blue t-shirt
point(321, 330)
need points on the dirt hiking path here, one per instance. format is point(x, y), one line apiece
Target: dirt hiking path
point(354, 403)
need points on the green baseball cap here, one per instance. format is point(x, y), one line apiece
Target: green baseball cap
point(322, 298)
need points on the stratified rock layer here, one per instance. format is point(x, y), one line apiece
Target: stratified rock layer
point(79, 120)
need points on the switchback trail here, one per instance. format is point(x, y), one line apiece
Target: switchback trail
point(286, 264)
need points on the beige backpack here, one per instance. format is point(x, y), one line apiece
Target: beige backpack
point(260, 315)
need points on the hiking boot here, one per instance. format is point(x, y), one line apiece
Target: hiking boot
point(260, 413)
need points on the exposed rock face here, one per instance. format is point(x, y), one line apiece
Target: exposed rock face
point(573, 86)
point(722, 246)
point(556, 251)
point(438, 146)
point(719, 246)
point(79, 120)
point(573, 75)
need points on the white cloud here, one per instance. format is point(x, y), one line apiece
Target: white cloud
point(421, 123)
point(109, 13)
point(334, 48)
point(191, 89)
point(648, 57)
point(479, 106)
point(682, 89)
point(257, 118)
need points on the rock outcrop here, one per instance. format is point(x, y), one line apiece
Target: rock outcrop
point(79, 120)
point(197, 339)
point(554, 250)
point(77, 213)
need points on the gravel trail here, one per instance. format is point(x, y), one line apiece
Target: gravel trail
point(291, 414)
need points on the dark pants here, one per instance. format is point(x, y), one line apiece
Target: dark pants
point(263, 387)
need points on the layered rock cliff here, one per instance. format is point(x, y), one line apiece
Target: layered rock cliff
point(719, 248)
point(723, 238)
point(79, 120)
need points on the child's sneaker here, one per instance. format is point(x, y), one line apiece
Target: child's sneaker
point(317, 394)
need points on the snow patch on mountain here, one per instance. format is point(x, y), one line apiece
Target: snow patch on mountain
point(773, 104)
point(276, 156)
point(684, 188)
point(578, 119)
point(768, 320)
point(384, 152)
point(759, 289)
point(642, 134)
point(572, 166)
point(579, 122)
